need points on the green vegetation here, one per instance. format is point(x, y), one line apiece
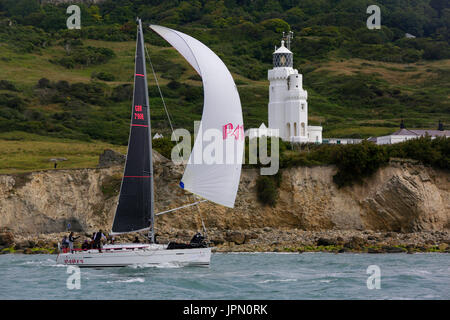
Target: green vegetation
point(24, 152)
point(353, 161)
point(435, 153)
point(35, 250)
point(6, 85)
point(356, 161)
point(84, 56)
point(111, 186)
point(366, 155)
point(164, 146)
point(77, 84)
point(105, 76)
point(267, 189)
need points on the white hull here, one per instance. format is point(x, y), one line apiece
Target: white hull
point(133, 254)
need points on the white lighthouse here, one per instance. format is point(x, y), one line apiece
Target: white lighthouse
point(288, 102)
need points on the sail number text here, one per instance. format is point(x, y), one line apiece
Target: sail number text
point(137, 114)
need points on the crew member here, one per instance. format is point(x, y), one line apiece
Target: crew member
point(97, 240)
point(71, 241)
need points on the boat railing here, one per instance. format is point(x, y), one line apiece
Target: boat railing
point(80, 250)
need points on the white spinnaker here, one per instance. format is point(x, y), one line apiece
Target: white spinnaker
point(222, 113)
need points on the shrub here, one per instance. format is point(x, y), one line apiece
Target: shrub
point(24, 38)
point(105, 76)
point(12, 101)
point(10, 114)
point(277, 25)
point(34, 115)
point(111, 186)
point(93, 93)
point(82, 56)
point(43, 83)
point(195, 77)
point(62, 86)
point(193, 94)
point(354, 162)
point(436, 51)
point(123, 92)
point(107, 32)
point(67, 62)
point(6, 85)
point(173, 72)
point(433, 152)
point(164, 146)
point(267, 190)
point(174, 85)
point(239, 82)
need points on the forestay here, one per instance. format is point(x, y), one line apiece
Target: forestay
point(212, 173)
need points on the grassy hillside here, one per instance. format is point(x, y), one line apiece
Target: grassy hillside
point(63, 85)
point(22, 152)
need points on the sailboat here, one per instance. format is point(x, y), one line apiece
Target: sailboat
point(216, 182)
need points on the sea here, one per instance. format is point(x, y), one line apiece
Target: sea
point(235, 276)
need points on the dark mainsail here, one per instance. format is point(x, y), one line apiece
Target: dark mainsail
point(135, 208)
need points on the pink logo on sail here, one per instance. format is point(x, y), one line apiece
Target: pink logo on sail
point(229, 130)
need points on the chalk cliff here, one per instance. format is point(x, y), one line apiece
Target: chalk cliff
point(402, 197)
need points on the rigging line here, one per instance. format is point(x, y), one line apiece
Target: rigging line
point(160, 93)
point(201, 218)
point(188, 205)
point(159, 89)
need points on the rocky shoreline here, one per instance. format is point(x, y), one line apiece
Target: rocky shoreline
point(401, 197)
point(260, 240)
point(403, 207)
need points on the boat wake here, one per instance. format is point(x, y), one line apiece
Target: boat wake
point(44, 263)
point(278, 280)
point(167, 265)
point(141, 280)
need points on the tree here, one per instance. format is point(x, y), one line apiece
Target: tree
point(277, 25)
point(439, 5)
point(21, 8)
point(354, 162)
point(267, 190)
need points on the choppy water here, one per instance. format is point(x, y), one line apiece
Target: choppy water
point(236, 276)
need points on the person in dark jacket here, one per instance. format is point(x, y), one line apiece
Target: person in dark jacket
point(64, 243)
point(91, 243)
point(197, 239)
point(86, 245)
point(71, 240)
point(97, 240)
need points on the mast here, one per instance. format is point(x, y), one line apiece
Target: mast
point(135, 209)
point(151, 233)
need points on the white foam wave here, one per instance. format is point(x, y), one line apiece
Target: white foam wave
point(162, 265)
point(47, 263)
point(278, 280)
point(141, 280)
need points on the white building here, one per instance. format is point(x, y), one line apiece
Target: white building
point(341, 140)
point(408, 134)
point(288, 105)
